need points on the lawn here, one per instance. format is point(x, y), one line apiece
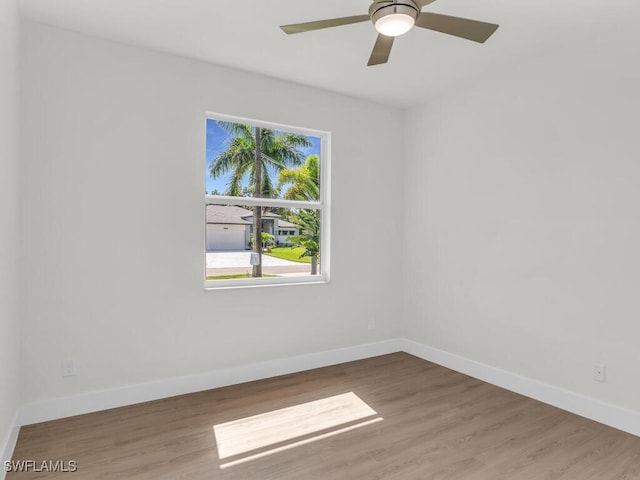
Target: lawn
point(289, 253)
point(233, 277)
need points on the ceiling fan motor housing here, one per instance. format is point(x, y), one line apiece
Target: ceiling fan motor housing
point(382, 8)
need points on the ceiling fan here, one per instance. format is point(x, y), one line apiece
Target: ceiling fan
point(396, 17)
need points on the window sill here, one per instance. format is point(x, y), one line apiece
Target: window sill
point(210, 285)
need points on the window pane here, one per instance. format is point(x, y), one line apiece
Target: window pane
point(290, 166)
point(291, 252)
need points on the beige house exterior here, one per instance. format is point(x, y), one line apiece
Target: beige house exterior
point(229, 228)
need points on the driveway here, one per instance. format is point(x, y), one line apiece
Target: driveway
point(237, 262)
point(240, 259)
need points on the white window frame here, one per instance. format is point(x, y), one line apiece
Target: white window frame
point(323, 206)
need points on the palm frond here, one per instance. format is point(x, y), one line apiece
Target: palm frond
point(234, 186)
point(237, 129)
point(303, 181)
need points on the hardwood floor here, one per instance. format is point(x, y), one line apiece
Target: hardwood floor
point(429, 423)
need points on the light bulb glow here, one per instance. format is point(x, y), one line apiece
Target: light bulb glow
point(395, 24)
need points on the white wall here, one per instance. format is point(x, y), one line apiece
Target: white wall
point(522, 194)
point(9, 215)
point(521, 226)
point(114, 170)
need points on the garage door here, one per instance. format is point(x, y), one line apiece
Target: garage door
point(225, 237)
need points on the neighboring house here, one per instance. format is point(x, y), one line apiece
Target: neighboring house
point(230, 227)
point(284, 231)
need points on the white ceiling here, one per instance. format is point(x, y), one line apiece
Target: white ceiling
point(245, 34)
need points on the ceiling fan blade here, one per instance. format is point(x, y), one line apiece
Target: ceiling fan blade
point(425, 2)
point(381, 50)
point(317, 25)
point(456, 26)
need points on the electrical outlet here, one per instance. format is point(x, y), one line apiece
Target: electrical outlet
point(371, 325)
point(69, 368)
point(600, 373)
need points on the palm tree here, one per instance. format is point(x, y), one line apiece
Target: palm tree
point(304, 184)
point(251, 152)
point(304, 181)
point(309, 223)
point(277, 151)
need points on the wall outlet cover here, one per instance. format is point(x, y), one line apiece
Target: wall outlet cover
point(600, 373)
point(69, 368)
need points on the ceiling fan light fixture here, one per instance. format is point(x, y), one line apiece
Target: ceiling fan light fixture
point(395, 24)
point(392, 19)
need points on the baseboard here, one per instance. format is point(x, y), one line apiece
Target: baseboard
point(128, 395)
point(612, 415)
point(615, 416)
point(8, 446)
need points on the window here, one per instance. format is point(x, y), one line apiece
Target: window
point(270, 183)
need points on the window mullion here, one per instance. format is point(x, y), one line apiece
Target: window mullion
point(261, 202)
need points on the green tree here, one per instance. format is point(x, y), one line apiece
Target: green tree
point(303, 183)
point(268, 240)
point(309, 223)
point(251, 153)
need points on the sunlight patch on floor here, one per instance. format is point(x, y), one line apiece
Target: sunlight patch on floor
point(248, 434)
point(289, 446)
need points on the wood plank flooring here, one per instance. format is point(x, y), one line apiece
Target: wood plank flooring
point(430, 423)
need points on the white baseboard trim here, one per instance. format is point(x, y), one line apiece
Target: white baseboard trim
point(118, 397)
point(8, 446)
point(612, 415)
point(608, 414)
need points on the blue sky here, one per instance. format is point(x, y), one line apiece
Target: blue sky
point(217, 141)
